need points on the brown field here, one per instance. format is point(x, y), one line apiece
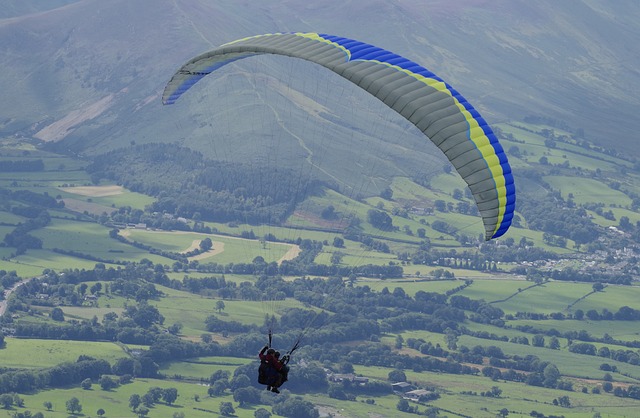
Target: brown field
point(95, 191)
point(92, 208)
point(291, 254)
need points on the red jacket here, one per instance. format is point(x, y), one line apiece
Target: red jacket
point(270, 359)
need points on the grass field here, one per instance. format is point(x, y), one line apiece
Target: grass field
point(36, 353)
point(519, 398)
point(188, 309)
point(191, 311)
point(410, 286)
point(232, 250)
point(550, 297)
point(588, 190)
point(570, 364)
point(35, 261)
point(619, 330)
point(203, 367)
point(492, 290)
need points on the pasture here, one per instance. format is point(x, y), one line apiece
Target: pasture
point(552, 296)
point(35, 261)
point(116, 402)
point(585, 190)
point(107, 195)
point(570, 364)
point(519, 398)
point(37, 353)
point(225, 249)
point(410, 286)
point(203, 367)
point(618, 330)
point(493, 290)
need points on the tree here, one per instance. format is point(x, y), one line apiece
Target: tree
point(6, 400)
point(143, 314)
point(107, 383)
point(262, 413)
point(86, 384)
point(551, 375)
point(554, 343)
point(95, 288)
point(57, 314)
point(155, 393)
point(100, 412)
point(403, 405)
point(169, 395)
point(134, 401)
point(380, 220)
point(218, 388)
point(226, 409)
point(73, 405)
point(220, 306)
point(47, 405)
point(219, 375)
point(504, 412)
point(240, 381)
point(206, 244)
point(537, 340)
point(338, 242)
point(296, 408)
point(18, 401)
point(564, 401)
point(178, 415)
point(175, 328)
point(328, 213)
point(397, 376)
point(143, 411)
point(246, 396)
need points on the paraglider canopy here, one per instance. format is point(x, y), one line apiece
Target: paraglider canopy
point(417, 94)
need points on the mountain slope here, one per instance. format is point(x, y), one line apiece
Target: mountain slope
point(89, 73)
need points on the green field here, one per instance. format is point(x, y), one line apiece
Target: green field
point(619, 330)
point(203, 367)
point(36, 353)
point(550, 297)
point(410, 286)
point(233, 250)
point(519, 398)
point(588, 190)
point(493, 290)
point(35, 261)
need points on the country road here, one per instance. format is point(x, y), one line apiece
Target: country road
point(8, 292)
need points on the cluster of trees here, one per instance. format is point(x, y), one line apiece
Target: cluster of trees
point(20, 237)
point(64, 374)
point(153, 396)
point(7, 279)
point(186, 184)
point(32, 206)
point(551, 215)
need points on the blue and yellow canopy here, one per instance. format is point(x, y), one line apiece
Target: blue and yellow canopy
point(417, 94)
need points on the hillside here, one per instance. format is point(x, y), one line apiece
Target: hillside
point(88, 73)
